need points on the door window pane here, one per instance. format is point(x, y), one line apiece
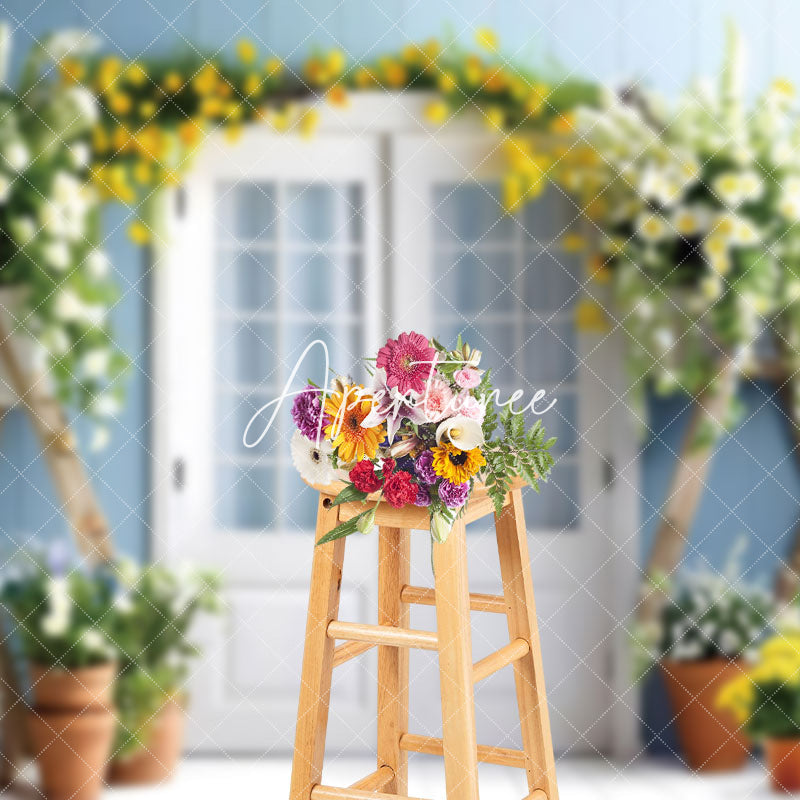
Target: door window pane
point(289, 267)
point(506, 285)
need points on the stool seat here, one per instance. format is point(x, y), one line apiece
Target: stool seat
point(452, 641)
point(478, 506)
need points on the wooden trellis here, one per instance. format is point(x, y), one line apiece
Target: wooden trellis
point(30, 391)
point(692, 467)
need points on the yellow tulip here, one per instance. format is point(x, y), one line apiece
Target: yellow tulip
point(108, 72)
point(135, 74)
point(495, 118)
point(233, 132)
point(447, 82)
point(315, 72)
point(252, 84)
point(119, 103)
point(147, 109)
point(173, 82)
point(573, 242)
point(206, 80)
point(590, 317)
point(394, 74)
point(190, 132)
point(211, 107)
point(138, 232)
point(337, 96)
point(336, 62)
point(246, 50)
point(71, 70)
point(364, 78)
point(487, 39)
point(437, 112)
point(273, 67)
point(100, 140)
point(512, 192)
point(473, 70)
point(143, 171)
point(308, 122)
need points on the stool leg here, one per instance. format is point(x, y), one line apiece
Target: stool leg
point(393, 574)
point(512, 544)
point(455, 666)
point(315, 687)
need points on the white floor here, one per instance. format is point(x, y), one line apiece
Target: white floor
point(579, 779)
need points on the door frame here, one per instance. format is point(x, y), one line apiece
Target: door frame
point(385, 115)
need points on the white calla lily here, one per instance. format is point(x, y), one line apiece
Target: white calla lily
point(462, 432)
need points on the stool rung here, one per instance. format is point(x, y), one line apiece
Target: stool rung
point(383, 634)
point(344, 652)
point(418, 595)
point(376, 781)
point(513, 651)
point(504, 756)
point(537, 794)
point(320, 792)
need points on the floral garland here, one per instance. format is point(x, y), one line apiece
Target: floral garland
point(49, 230)
point(695, 207)
point(421, 436)
point(698, 210)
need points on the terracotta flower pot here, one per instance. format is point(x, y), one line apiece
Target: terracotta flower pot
point(72, 751)
point(59, 689)
point(782, 758)
point(710, 738)
point(155, 763)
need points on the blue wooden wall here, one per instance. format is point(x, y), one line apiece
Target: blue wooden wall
point(754, 481)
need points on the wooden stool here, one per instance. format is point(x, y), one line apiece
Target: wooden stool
point(393, 637)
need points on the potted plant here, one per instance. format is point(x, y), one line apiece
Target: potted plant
point(60, 619)
point(764, 699)
point(155, 610)
point(707, 625)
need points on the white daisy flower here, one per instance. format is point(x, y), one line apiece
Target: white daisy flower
point(97, 264)
point(57, 255)
point(651, 227)
point(22, 228)
point(312, 462)
point(729, 188)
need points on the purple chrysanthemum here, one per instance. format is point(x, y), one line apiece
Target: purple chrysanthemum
point(423, 497)
point(306, 412)
point(423, 466)
point(453, 495)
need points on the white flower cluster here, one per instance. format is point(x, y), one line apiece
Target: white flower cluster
point(713, 614)
point(50, 213)
point(699, 205)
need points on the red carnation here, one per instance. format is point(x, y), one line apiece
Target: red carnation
point(387, 467)
point(364, 478)
point(399, 490)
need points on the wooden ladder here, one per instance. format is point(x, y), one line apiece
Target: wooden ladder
point(452, 641)
point(31, 391)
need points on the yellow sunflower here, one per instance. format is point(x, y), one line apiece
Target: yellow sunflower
point(457, 466)
point(346, 410)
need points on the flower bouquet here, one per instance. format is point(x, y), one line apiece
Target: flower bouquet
point(422, 435)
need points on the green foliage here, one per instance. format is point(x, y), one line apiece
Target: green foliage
point(154, 614)
point(60, 618)
point(50, 229)
point(775, 710)
point(516, 452)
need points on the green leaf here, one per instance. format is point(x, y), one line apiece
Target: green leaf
point(349, 494)
point(343, 529)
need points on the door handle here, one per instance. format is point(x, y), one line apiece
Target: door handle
point(179, 473)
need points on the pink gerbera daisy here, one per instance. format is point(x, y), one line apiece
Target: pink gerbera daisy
point(408, 361)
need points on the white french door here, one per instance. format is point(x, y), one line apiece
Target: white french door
point(506, 284)
point(348, 238)
point(276, 245)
